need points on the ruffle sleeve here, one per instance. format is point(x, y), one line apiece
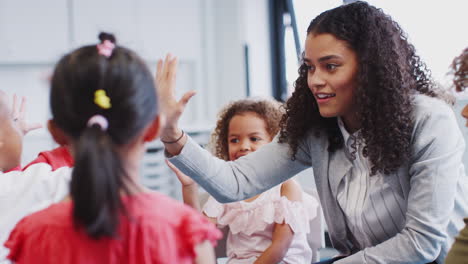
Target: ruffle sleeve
point(297, 214)
point(195, 229)
point(214, 209)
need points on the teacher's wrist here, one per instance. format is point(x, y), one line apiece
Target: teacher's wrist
point(171, 134)
point(174, 141)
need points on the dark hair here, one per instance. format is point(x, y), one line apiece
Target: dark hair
point(268, 110)
point(389, 74)
point(98, 176)
point(460, 71)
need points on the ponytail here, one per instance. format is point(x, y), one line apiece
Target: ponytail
point(97, 179)
point(102, 97)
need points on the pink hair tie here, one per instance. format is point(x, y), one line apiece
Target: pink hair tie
point(105, 48)
point(98, 120)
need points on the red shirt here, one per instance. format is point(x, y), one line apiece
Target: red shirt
point(159, 230)
point(56, 158)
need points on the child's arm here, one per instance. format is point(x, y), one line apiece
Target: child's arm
point(282, 233)
point(189, 188)
point(205, 253)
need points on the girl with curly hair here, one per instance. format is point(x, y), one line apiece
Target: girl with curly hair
point(270, 227)
point(385, 147)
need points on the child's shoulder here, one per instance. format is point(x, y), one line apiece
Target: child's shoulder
point(57, 158)
point(56, 215)
point(292, 190)
point(145, 208)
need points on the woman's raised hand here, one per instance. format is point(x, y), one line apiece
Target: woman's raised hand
point(170, 107)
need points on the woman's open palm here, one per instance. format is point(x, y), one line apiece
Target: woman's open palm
point(165, 86)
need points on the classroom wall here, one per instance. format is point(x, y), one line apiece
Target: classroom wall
point(208, 36)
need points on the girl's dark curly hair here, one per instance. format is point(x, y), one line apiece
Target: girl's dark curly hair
point(270, 111)
point(460, 71)
point(389, 74)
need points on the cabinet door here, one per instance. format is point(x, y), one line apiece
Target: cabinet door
point(33, 31)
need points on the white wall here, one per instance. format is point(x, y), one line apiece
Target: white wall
point(232, 25)
point(437, 29)
point(257, 37)
point(208, 36)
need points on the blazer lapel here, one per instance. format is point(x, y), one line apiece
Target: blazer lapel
point(329, 169)
point(338, 166)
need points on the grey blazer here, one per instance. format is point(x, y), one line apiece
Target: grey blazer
point(431, 188)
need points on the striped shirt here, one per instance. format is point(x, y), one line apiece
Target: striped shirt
point(373, 207)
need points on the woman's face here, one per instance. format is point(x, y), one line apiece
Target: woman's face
point(246, 133)
point(332, 71)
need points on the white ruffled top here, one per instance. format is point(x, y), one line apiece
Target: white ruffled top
point(251, 225)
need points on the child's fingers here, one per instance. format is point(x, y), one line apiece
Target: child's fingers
point(184, 179)
point(22, 109)
point(172, 167)
point(169, 164)
point(34, 126)
point(14, 111)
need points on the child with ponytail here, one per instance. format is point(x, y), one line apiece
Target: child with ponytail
point(104, 105)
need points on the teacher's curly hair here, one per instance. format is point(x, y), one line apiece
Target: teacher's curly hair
point(389, 74)
point(460, 71)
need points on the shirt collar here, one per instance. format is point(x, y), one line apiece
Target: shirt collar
point(344, 132)
point(348, 138)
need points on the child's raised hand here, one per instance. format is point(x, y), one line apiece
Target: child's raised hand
point(189, 188)
point(18, 114)
point(165, 85)
point(184, 179)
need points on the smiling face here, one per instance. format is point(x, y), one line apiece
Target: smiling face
point(247, 133)
point(332, 73)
